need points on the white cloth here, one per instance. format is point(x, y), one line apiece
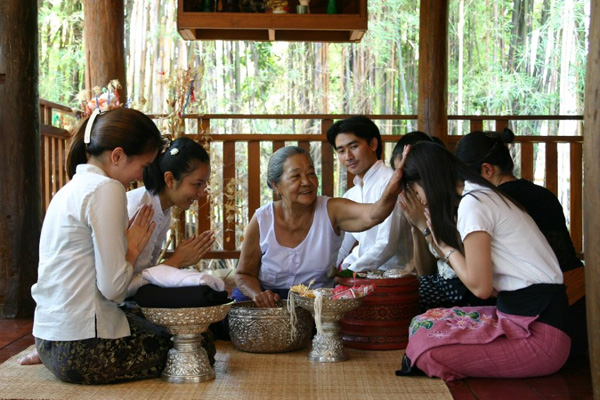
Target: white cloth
point(384, 246)
point(282, 267)
point(521, 255)
point(82, 273)
point(149, 256)
point(165, 276)
point(444, 270)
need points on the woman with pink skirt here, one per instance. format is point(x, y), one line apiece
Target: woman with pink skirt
point(496, 250)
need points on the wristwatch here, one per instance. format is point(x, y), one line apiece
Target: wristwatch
point(426, 232)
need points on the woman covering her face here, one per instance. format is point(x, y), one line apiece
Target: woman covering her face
point(496, 249)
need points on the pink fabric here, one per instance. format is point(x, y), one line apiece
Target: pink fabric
point(483, 342)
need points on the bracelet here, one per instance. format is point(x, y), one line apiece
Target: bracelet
point(447, 256)
point(426, 232)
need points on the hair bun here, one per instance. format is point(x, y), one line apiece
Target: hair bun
point(507, 135)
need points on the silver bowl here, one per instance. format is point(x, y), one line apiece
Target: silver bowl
point(268, 330)
point(187, 361)
point(327, 345)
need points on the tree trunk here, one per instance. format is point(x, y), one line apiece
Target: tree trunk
point(103, 30)
point(20, 190)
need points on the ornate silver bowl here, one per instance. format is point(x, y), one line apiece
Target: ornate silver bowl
point(187, 360)
point(268, 330)
point(327, 345)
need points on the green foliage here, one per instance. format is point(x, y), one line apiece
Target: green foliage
point(61, 52)
point(511, 63)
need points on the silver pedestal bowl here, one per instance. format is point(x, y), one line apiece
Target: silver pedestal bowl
point(327, 345)
point(187, 361)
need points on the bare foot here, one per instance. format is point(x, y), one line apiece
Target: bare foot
point(30, 359)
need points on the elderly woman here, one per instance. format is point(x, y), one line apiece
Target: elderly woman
point(296, 239)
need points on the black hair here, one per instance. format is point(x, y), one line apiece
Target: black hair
point(127, 128)
point(480, 147)
point(438, 171)
point(180, 158)
point(410, 138)
point(360, 126)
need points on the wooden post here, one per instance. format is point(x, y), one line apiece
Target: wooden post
point(591, 210)
point(20, 190)
point(104, 31)
point(433, 68)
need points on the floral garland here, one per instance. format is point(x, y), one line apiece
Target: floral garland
point(106, 98)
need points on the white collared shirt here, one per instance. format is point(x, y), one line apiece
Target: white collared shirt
point(384, 246)
point(149, 256)
point(82, 273)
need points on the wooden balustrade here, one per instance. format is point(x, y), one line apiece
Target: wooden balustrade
point(333, 179)
point(53, 149)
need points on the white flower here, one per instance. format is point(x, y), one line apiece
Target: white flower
point(174, 151)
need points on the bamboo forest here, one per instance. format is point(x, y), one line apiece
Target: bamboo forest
point(519, 57)
point(506, 57)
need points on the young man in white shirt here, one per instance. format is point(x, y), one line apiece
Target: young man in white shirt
point(358, 145)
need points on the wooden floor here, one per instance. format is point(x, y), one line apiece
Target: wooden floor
point(572, 382)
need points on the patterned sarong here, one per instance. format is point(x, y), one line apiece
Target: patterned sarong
point(454, 343)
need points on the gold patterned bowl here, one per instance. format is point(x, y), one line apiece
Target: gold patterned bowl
point(268, 330)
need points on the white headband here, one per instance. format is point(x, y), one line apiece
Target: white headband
point(87, 137)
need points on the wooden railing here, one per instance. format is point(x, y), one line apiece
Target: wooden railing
point(228, 217)
point(53, 149)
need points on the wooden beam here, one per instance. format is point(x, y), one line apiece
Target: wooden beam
point(277, 144)
point(203, 138)
point(104, 31)
point(229, 233)
point(355, 36)
point(326, 161)
point(253, 177)
point(551, 179)
point(20, 194)
point(591, 196)
point(527, 161)
point(576, 189)
point(476, 125)
point(433, 68)
point(187, 34)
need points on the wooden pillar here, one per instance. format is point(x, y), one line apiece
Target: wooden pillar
point(433, 68)
point(104, 31)
point(591, 193)
point(20, 198)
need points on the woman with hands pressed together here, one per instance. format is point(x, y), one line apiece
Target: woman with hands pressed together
point(438, 284)
point(496, 249)
point(88, 247)
point(296, 240)
point(177, 177)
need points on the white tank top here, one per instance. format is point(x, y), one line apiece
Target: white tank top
point(282, 267)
